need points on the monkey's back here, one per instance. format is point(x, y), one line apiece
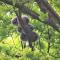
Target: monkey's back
point(34, 36)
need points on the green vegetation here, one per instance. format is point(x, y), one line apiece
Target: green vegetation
point(10, 43)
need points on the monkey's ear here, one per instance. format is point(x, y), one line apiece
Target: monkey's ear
point(14, 21)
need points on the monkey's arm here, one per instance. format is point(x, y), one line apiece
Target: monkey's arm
point(19, 29)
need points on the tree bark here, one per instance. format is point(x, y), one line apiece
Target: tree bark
point(49, 9)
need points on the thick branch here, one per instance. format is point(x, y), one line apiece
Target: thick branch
point(50, 9)
point(23, 9)
point(26, 10)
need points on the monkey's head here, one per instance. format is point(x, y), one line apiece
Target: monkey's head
point(25, 18)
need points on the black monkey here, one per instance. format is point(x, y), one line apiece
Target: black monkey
point(23, 36)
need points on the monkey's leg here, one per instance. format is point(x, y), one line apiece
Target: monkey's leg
point(24, 42)
point(22, 45)
point(30, 45)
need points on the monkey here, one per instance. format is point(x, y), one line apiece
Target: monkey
point(22, 32)
point(24, 37)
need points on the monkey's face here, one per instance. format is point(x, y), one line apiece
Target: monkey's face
point(25, 19)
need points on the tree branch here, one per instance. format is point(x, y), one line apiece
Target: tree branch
point(49, 9)
point(23, 9)
point(34, 15)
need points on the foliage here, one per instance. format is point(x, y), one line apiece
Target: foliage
point(10, 43)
